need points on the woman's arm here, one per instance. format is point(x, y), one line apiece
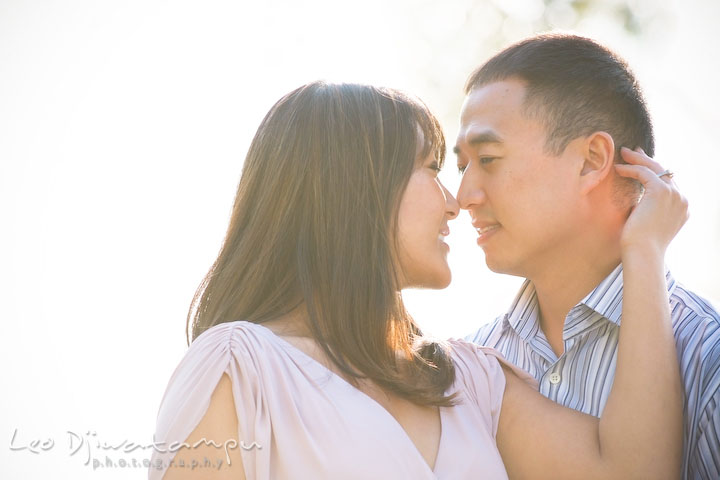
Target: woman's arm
point(219, 424)
point(640, 432)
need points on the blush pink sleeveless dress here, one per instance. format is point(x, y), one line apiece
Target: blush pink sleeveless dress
point(299, 420)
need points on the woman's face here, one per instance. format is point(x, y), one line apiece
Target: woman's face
point(425, 209)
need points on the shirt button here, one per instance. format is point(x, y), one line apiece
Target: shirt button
point(554, 378)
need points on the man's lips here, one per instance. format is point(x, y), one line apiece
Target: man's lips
point(485, 230)
point(485, 226)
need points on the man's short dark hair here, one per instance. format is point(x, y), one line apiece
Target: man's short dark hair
point(575, 87)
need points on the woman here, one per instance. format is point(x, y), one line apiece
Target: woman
point(306, 362)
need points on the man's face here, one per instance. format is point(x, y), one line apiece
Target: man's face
point(523, 201)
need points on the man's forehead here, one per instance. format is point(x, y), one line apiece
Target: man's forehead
point(491, 109)
point(508, 93)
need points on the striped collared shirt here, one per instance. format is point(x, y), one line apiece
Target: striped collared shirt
point(582, 376)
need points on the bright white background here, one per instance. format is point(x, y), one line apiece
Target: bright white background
point(123, 127)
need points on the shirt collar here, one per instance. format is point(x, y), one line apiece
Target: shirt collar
point(524, 312)
point(605, 299)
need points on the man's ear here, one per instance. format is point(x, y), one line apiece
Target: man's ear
point(599, 152)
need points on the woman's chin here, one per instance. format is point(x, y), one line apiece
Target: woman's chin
point(442, 281)
point(438, 282)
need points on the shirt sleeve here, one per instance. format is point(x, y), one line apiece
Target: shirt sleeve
point(705, 460)
point(223, 349)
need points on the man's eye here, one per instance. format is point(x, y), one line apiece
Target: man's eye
point(461, 169)
point(486, 160)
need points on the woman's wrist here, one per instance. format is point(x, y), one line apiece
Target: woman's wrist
point(645, 253)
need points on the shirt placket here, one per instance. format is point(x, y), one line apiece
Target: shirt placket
point(551, 382)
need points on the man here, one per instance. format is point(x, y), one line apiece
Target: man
point(541, 127)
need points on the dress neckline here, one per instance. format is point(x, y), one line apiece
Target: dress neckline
point(293, 350)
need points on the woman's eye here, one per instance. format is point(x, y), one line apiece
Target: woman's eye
point(461, 169)
point(434, 166)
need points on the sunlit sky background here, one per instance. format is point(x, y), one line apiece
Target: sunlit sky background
point(123, 127)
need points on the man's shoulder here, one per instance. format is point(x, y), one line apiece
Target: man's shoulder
point(695, 305)
point(486, 332)
point(695, 316)
point(696, 323)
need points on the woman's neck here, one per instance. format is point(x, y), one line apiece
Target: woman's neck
point(292, 324)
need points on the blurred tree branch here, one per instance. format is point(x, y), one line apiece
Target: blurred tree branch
point(486, 26)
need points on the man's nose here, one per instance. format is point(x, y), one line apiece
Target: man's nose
point(472, 191)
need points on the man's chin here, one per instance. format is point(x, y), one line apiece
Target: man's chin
point(495, 265)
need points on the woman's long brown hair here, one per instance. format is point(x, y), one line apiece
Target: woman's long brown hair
point(314, 224)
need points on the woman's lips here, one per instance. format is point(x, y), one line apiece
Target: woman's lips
point(441, 236)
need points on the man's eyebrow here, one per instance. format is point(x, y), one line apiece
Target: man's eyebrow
point(479, 138)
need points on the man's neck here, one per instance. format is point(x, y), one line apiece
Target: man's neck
point(566, 283)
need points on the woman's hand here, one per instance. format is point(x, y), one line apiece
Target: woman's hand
point(661, 211)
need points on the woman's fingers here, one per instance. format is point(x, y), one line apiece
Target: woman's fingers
point(641, 173)
point(639, 157)
point(662, 210)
